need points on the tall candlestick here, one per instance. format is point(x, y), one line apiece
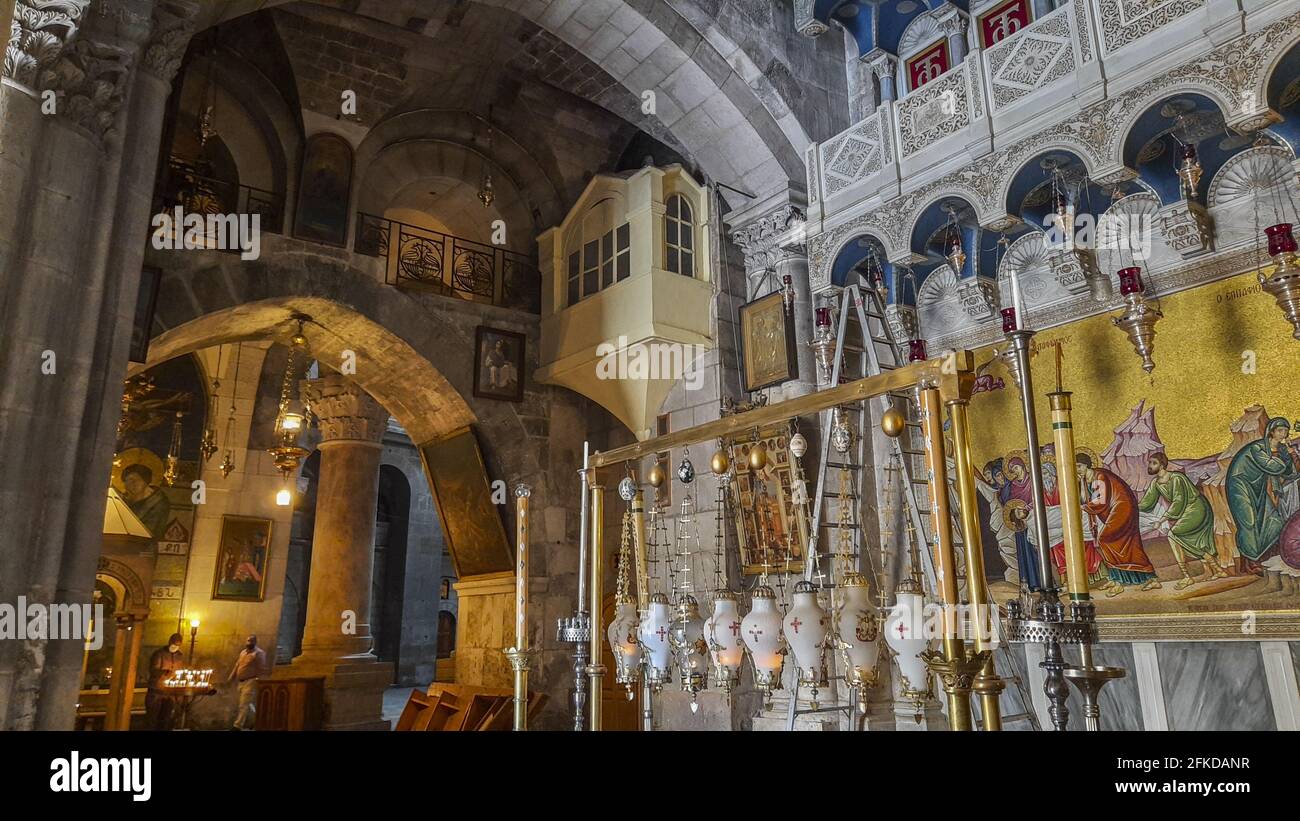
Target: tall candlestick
point(1076, 572)
point(596, 670)
point(520, 655)
point(1017, 301)
point(522, 493)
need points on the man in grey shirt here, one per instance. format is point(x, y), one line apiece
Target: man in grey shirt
point(249, 667)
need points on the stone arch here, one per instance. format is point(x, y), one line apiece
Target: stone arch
point(538, 178)
point(133, 597)
point(1281, 52)
point(1217, 93)
point(410, 351)
point(929, 218)
point(949, 190)
point(761, 148)
point(393, 180)
point(1077, 149)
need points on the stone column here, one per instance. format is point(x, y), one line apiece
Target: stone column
point(793, 260)
point(884, 67)
point(75, 136)
point(954, 28)
point(773, 245)
point(336, 642)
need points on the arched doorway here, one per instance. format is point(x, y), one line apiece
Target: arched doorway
point(388, 577)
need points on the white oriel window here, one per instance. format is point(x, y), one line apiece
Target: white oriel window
point(601, 262)
point(679, 236)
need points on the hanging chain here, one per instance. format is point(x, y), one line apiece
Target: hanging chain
point(624, 558)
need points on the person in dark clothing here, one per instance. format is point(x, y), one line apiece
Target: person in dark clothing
point(161, 709)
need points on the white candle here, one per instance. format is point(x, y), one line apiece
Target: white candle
point(1018, 302)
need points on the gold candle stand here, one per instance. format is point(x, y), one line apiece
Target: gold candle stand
point(987, 685)
point(596, 670)
point(520, 655)
point(953, 667)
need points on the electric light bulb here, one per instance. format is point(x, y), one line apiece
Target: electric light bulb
point(283, 498)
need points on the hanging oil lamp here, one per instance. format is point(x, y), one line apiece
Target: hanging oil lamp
point(292, 418)
point(722, 630)
point(653, 638)
point(208, 442)
point(905, 637)
point(956, 254)
point(876, 275)
point(916, 350)
point(1284, 283)
point(805, 631)
point(857, 626)
point(761, 632)
point(1138, 317)
point(486, 194)
point(622, 631)
point(1189, 170)
point(823, 343)
point(173, 472)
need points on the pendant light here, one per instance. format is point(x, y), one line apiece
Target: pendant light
point(227, 465)
point(622, 631)
point(292, 417)
point(805, 631)
point(761, 632)
point(486, 194)
point(1283, 283)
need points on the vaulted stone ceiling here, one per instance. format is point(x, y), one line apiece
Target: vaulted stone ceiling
point(739, 92)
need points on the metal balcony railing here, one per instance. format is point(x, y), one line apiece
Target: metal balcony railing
point(453, 266)
point(195, 192)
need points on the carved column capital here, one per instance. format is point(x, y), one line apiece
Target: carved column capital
point(804, 21)
point(38, 35)
point(978, 297)
point(1187, 228)
point(761, 239)
point(1076, 270)
point(345, 412)
point(174, 22)
point(952, 24)
point(902, 322)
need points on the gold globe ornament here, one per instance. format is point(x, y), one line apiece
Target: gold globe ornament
point(656, 475)
point(892, 423)
point(719, 464)
point(758, 456)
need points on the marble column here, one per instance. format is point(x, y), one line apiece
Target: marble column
point(336, 641)
point(78, 140)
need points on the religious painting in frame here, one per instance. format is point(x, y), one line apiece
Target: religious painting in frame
point(499, 364)
point(146, 303)
point(242, 553)
point(324, 190)
point(929, 65)
point(1190, 479)
point(767, 343)
point(462, 491)
point(1003, 21)
point(771, 529)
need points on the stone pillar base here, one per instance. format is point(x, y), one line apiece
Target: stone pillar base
point(354, 689)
